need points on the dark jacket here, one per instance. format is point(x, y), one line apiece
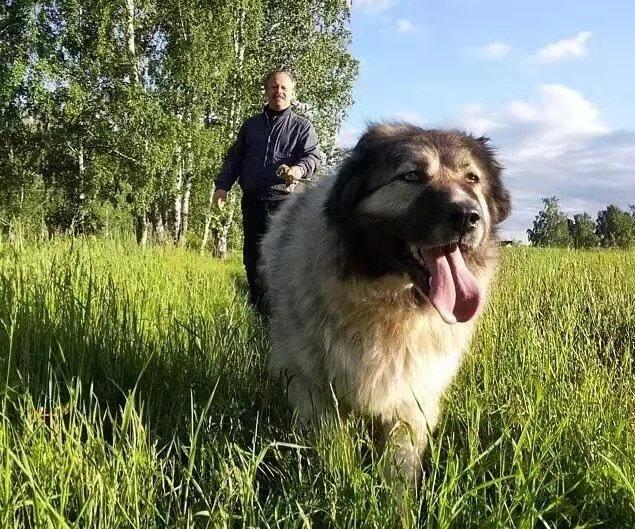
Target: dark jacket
point(263, 144)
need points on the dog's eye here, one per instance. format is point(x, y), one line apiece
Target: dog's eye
point(411, 176)
point(473, 178)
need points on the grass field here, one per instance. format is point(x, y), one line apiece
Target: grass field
point(134, 395)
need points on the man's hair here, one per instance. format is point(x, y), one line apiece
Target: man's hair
point(271, 74)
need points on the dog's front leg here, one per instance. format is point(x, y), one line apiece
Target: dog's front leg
point(406, 439)
point(306, 399)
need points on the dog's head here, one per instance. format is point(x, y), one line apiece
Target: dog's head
point(423, 202)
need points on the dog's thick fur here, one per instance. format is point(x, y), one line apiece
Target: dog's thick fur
point(346, 318)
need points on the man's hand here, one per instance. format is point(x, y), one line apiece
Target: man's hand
point(295, 172)
point(290, 174)
point(219, 198)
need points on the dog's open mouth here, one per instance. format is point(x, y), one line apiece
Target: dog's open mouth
point(440, 274)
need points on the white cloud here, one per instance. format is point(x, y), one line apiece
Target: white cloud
point(372, 6)
point(549, 124)
point(348, 136)
point(405, 26)
point(563, 49)
point(410, 117)
point(475, 119)
point(494, 51)
point(555, 143)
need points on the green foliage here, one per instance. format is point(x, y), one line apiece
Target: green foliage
point(616, 227)
point(134, 394)
point(313, 44)
point(135, 103)
point(550, 226)
point(582, 231)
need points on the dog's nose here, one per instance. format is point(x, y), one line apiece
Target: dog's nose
point(472, 218)
point(465, 217)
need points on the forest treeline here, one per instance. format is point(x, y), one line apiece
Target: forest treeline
point(116, 116)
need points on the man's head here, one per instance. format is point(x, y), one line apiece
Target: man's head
point(279, 89)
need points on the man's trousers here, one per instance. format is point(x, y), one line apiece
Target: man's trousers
point(256, 215)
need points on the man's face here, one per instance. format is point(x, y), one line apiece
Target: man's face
point(279, 91)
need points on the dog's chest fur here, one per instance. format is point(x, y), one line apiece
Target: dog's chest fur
point(383, 353)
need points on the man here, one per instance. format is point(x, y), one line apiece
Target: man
point(274, 149)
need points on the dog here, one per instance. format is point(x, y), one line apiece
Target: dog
point(377, 274)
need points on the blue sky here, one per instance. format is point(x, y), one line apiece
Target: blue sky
point(552, 83)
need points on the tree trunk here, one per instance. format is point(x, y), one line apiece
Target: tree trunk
point(185, 211)
point(221, 248)
point(44, 230)
point(158, 223)
point(208, 221)
point(187, 184)
point(142, 222)
point(178, 201)
point(142, 227)
point(221, 243)
point(221, 239)
point(81, 211)
point(134, 70)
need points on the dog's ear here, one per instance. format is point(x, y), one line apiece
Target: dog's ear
point(501, 202)
point(350, 186)
point(345, 193)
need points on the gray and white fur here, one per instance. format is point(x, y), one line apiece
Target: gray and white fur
point(346, 318)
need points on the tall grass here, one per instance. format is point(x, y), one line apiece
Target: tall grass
point(134, 395)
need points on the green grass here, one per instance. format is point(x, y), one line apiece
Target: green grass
point(134, 395)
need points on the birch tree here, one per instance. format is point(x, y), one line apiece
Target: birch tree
point(311, 38)
point(124, 110)
point(243, 95)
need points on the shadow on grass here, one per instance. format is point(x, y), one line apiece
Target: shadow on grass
point(173, 365)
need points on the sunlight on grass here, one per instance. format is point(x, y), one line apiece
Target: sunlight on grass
point(134, 394)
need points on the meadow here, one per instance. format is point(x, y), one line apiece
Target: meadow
point(134, 394)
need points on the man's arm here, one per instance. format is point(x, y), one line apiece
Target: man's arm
point(310, 154)
point(232, 165)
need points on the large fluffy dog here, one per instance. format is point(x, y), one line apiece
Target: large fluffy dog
point(376, 275)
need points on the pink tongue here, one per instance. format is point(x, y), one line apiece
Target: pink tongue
point(454, 291)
